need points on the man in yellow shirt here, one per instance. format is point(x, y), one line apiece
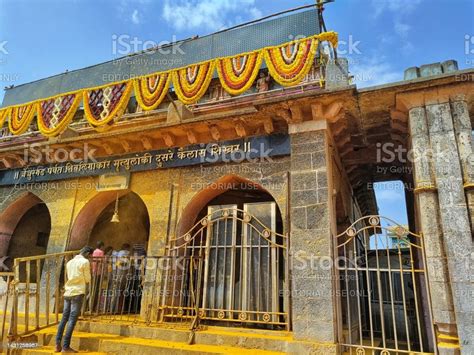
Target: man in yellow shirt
point(78, 272)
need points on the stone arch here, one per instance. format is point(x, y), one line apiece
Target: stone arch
point(98, 208)
point(203, 197)
point(25, 222)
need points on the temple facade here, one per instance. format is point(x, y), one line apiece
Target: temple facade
point(242, 169)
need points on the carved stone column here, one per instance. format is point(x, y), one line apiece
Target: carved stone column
point(429, 219)
point(457, 234)
point(463, 130)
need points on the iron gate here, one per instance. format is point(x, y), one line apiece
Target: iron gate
point(383, 291)
point(244, 276)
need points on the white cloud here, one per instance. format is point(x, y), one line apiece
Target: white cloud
point(374, 70)
point(208, 14)
point(130, 10)
point(400, 7)
point(401, 28)
point(135, 17)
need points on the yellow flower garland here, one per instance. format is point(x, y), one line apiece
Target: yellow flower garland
point(19, 125)
point(117, 111)
point(286, 74)
point(4, 113)
point(54, 131)
point(188, 93)
point(245, 80)
point(140, 87)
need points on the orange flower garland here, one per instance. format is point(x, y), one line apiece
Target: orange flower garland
point(192, 82)
point(55, 114)
point(21, 117)
point(290, 63)
point(103, 104)
point(151, 90)
point(237, 74)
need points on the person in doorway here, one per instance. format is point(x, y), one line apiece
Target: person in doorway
point(78, 272)
point(98, 268)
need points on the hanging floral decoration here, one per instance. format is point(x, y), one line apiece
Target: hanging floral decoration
point(21, 117)
point(237, 74)
point(151, 90)
point(290, 63)
point(331, 37)
point(287, 63)
point(192, 82)
point(4, 115)
point(55, 114)
point(103, 104)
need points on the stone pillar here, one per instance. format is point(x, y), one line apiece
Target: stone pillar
point(457, 236)
point(313, 305)
point(429, 219)
point(463, 130)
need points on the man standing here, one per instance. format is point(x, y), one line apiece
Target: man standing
point(78, 275)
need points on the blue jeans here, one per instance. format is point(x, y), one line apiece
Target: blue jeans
point(72, 309)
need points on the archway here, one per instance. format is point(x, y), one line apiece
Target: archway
point(116, 279)
point(93, 222)
point(204, 197)
point(233, 231)
point(25, 227)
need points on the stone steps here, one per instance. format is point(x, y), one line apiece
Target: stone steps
point(235, 337)
point(104, 336)
point(117, 344)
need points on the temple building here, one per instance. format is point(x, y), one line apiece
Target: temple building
point(239, 167)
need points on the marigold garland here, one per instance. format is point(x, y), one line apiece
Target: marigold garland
point(151, 90)
point(192, 82)
point(4, 113)
point(237, 74)
point(288, 64)
point(103, 104)
point(55, 114)
point(21, 117)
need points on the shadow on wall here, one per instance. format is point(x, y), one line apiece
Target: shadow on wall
point(30, 236)
point(133, 228)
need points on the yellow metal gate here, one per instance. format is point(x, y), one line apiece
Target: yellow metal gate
point(384, 302)
point(244, 273)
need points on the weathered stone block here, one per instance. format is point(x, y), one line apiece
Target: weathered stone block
point(304, 198)
point(431, 69)
point(316, 137)
point(304, 180)
point(411, 73)
point(301, 162)
point(318, 160)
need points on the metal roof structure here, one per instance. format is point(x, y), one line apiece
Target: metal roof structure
point(230, 42)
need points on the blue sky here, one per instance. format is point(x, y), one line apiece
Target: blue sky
point(43, 38)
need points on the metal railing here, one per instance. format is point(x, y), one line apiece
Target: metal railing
point(128, 288)
point(151, 290)
point(383, 289)
point(6, 293)
point(36, 292)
